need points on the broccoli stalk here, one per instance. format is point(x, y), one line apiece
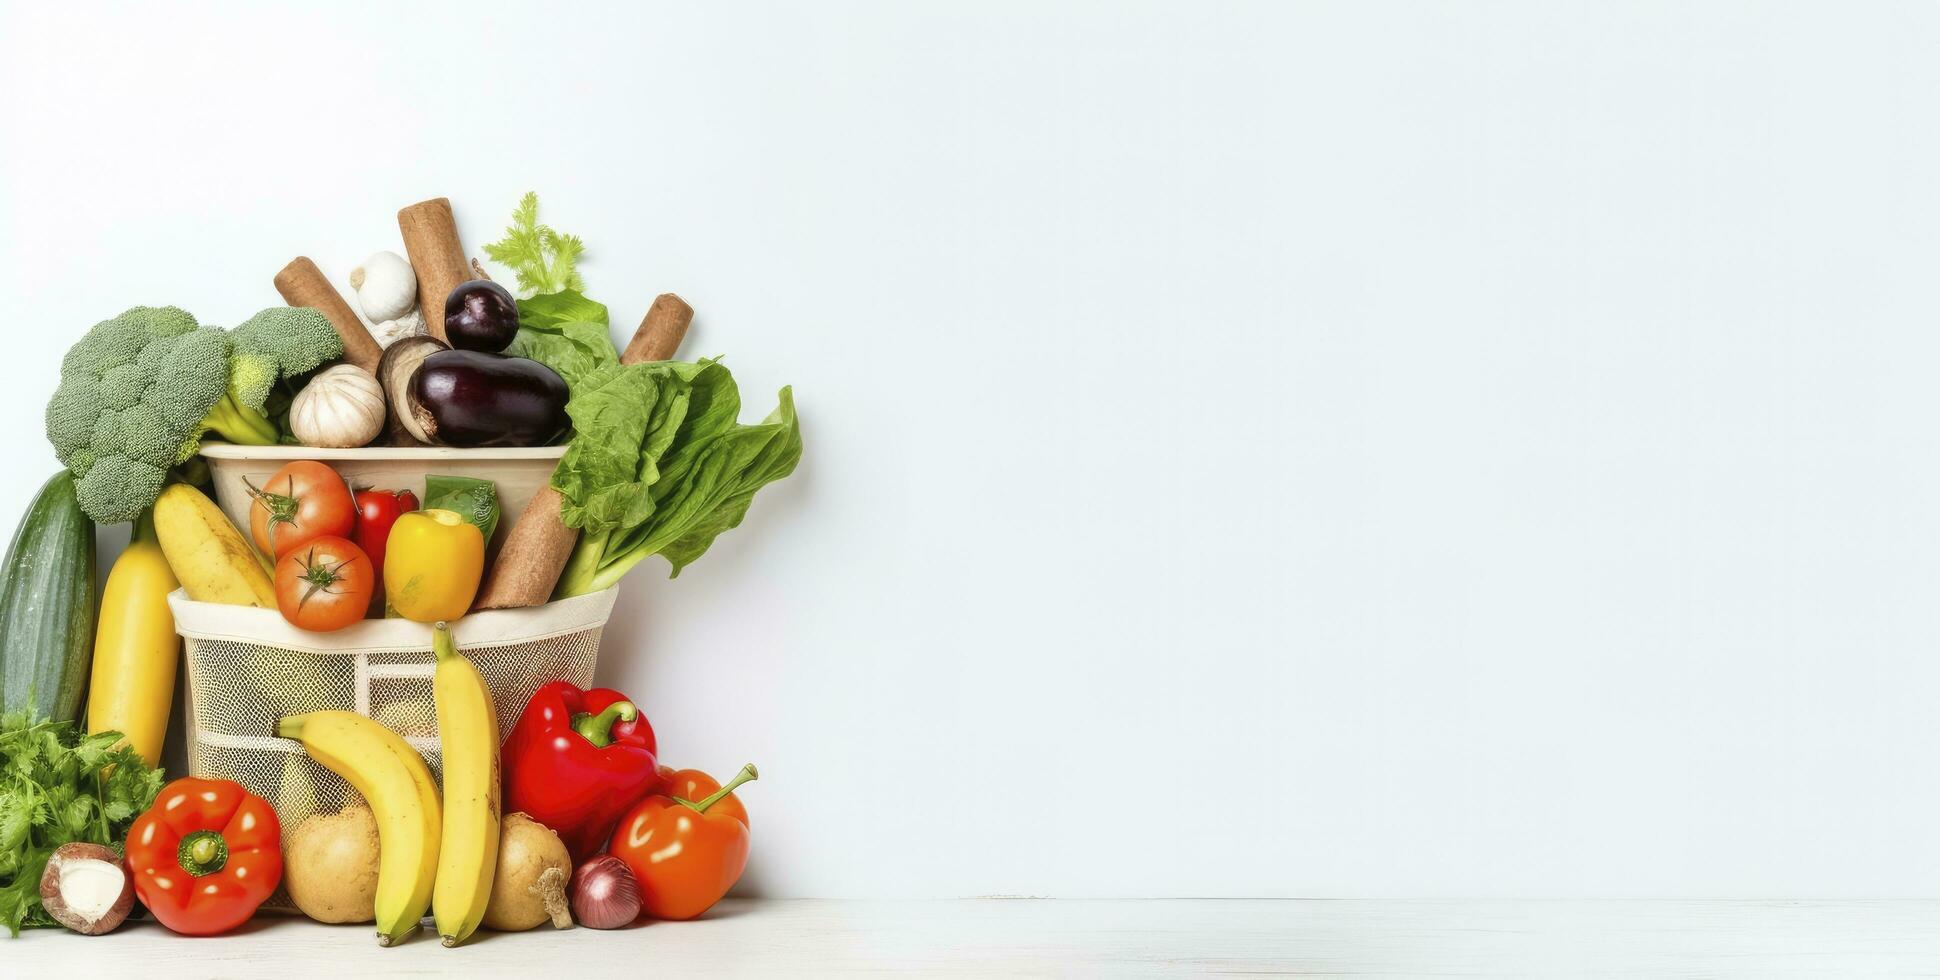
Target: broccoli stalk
point(230, 420)
point(274, 344)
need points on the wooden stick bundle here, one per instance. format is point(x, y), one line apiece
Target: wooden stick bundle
point(301, 283)
point(539, 543)
point(431, 243)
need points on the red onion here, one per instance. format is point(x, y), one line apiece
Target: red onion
point(604, 894)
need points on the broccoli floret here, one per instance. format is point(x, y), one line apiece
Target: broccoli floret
point(132, 395)
point(272, 345)
point(138, 393)
point(275, 344)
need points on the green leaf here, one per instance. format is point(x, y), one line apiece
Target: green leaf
point(544, 260)
point(566, 332)
point(696, 466)
point(599, 475)
point(574, 350)
point(710, 484)
point(474, 500)
point(551, 311)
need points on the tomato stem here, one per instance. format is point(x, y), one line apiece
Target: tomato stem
point(320, 575)
point(281, 508)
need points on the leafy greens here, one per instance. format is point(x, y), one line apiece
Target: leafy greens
point(660, 465)
point(558, 326)
point(566, 332)
point(58, 786)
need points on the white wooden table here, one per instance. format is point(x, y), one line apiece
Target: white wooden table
point(1076, 938)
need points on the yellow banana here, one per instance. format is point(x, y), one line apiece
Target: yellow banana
point(207, 553)
point(135, 646)
point(468, 851)
point(397, 784)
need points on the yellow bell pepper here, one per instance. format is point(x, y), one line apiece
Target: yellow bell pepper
point(432, 563)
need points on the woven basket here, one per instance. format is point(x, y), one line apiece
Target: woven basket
point(247, 668)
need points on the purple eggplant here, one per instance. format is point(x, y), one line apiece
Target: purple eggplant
point(467, 398)
point(480, 315)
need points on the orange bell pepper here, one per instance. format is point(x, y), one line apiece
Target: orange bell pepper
point(685, 855)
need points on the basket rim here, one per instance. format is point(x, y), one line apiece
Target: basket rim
point(229, 451)
point(490, 627)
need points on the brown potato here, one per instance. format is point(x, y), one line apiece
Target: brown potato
point(330, 866)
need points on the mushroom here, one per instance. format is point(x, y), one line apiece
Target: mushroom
point(87, 888)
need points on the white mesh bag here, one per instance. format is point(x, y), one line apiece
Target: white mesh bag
point(247, 668)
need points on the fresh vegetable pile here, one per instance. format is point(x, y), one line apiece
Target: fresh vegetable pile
point(567, 817)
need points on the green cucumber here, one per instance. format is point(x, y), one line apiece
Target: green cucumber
point(47, 607)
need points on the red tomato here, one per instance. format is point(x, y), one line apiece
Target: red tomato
point(300, 502)
point(324, 585)
point(377, 510)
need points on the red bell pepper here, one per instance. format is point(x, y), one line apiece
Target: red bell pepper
point(576, 760)
point(205, 855)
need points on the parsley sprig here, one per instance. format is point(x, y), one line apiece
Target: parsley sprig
point(58, 786)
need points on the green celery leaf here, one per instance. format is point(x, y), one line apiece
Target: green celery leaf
point(545, 261)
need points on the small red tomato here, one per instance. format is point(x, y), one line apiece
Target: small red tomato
point(324, 585)
point(377, 510)
point(301, 501)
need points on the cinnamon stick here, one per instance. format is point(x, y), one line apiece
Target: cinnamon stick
point(303, 284)
point(661, 330)
point(539, 543)
point(431, 243)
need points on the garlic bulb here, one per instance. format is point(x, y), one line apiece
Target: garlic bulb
point(386, 287)
point(390, 332)
point(342, 408)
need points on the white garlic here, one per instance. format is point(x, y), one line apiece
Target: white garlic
point(386, 287)
point(390, 332)
point(341, 408)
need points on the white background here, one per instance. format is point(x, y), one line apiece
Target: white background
point(1322, 450)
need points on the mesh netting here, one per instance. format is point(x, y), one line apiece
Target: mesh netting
point(238, 688)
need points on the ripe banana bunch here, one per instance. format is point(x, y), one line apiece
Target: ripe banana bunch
point(395, 781)
point(468, 729)
point(440, 857)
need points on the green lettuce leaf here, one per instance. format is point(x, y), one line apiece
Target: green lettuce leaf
point(566, 332)
point(550, 311)
point(660, 465)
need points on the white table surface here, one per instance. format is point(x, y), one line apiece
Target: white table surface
point(1077, 938)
